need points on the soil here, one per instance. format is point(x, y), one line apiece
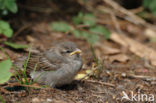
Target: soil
point(115, 78)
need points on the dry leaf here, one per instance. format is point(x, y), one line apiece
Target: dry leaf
point(135, 47)
point(150, 33)
point(84, 74)
point(30, 38)
point(108, 50)
point(119, 57)
point(81, 76)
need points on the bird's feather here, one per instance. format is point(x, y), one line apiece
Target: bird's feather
point(42, 62)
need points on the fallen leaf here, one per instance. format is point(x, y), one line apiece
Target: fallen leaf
point(30, 38)
point(150, 33)
point(119, 57)
point(80, 76)
point(135, 47)
point(84, 74)
point(108, 50)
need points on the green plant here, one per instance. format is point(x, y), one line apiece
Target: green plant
point(5, 67)
point(151, 5)
point(4, 70)
point(85, 26)
point(2, 99)
point(15, 46)
point(5, 29)
point(60, 26)
point(7, 6)
point(21, 75)
point(86, 19)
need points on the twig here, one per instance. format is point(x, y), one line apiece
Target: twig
point(114, 19)
point(37, 9)
point(31, 86)
point(117, 7)
point(147, 78)
point(20, 30)
point(137, 10)
point(4, 90)
point(130, 16)
point(99, 82)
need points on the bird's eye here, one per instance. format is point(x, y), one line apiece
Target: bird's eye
point(68, 51)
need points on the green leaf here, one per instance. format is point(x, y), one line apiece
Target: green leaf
point(11, 5)
point(78, 19)
point(100, 30)
point(93, 38)
point(90, 37)
point(146, 3)
point(4, 70)
point(85, 34)
point(2, 6)
point(86, 19)
point(5, 29)
point(150, 4)
point(8, 32)
point(77, 33)
point(15, 46)
point(89, 19)
point(60, 26)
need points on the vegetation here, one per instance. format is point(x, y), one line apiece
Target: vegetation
point(151, 5)
point(4, 70)
point(85, 26)
point(6, 7)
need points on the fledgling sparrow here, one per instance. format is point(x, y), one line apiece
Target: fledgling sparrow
point(56, 66)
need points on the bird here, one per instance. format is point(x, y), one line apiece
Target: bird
point(56, 66)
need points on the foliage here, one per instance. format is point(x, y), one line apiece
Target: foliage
point(151, 5)
point(2, 99)
point(21, 75)
point(4, 70)
point(91, 30)
point(60, 26)
point(5, 29)
point(86, 19)
point(7, 6)
point(100, 30)
point(15, 46)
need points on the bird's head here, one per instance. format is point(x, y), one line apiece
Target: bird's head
point(68, 50)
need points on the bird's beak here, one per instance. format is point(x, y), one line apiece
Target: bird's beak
point(77, 51)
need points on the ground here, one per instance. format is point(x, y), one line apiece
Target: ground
point(117, 76)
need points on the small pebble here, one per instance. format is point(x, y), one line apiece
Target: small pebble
point(35, 100)
point(49, 100)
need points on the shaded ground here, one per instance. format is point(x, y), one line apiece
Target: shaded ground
point(121, 76)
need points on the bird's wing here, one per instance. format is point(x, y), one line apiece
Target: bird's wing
point(43, 62)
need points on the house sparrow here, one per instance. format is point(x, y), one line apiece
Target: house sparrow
point(56, 66)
